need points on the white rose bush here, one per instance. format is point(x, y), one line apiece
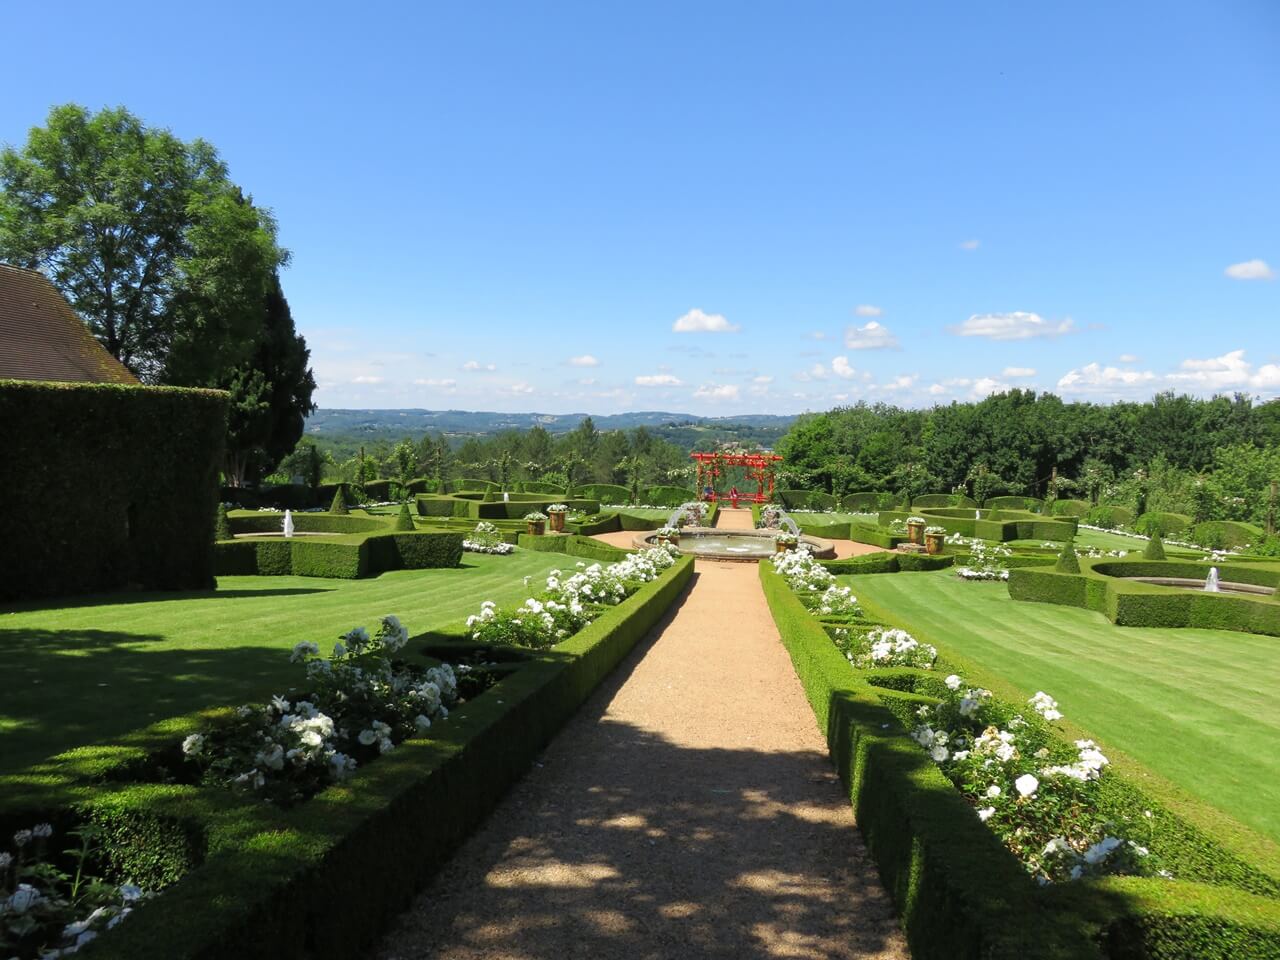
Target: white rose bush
point(1036, 792)
point(884, 647)
point(47, 913)
point(815, 585)
point(986, 562)
point(486, 538)
point(567, 603)
point(354, 706)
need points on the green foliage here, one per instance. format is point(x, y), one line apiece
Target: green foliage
point(339, 505)
point(572, 545)
point(1070, 508)
point(1068, 561)
point(404, 519)
point(1154, 550)
point(667, 496)
point(1164, 524)
point(149, 456)
point(1224, 534)
point(807, 500)
point(348, 558)
point(1109, 516)
point(221, 526)
point(145, 235)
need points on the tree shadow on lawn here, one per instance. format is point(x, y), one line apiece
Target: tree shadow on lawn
point(155, 596)
point(68, 688)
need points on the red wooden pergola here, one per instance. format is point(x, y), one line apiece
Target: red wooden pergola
point(759, 466)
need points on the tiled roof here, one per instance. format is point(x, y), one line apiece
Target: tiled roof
point(42, 338)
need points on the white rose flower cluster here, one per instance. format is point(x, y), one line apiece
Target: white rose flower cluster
point(486, 538)
point(1039, 800)
point(37, 903)
point(888, 647)
point(355, 706)
point(568, 603)
point(801, 571)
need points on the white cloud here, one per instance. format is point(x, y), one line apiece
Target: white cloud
point(717, 391)
point(1128, 358)
point(471, 366)
point(818, 372)
point(1017, 325)
point(1095, 378)
point(366, 379)
point(695, 321)
point(658, 380)
point(871, 337)
point(431, 382)
point(985, 386)
point(520, 387)
point(763, 378)
point(937, 389)
point(867, 310)
point(970, 244)
point(588, 381)
point(904, 382)
point(1229, 370)
point(1017, 372)
point(586, 360)
point(1250, 270)
point(840, 365)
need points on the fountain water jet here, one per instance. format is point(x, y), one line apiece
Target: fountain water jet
point(288, 523)
point(1211, 581)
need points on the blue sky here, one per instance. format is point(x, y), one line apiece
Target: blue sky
point(520, 206)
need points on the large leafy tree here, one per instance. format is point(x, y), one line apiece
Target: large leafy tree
point(147, 237)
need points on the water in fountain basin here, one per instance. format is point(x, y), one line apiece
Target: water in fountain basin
point(1211, 581)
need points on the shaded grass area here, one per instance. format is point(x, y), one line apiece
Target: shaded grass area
point(1194, 706)
point(92, 668)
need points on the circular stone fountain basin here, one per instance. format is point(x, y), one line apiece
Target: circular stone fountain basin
point(1187, 583)
point(734, 544)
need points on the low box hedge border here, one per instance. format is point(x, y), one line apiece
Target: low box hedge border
point(1100, 586)
point(320, 881)
point(959, 893)
point(349, 557)
point(572, 545)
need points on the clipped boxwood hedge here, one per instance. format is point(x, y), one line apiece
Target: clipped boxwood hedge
point(1165, 524)
point(1011, 502)
point(666, 496)
point(1225, 534)
point(943, 500)
point(866, 502)
point(541, 486)
point(959, 893)
point(118, 484)
point(347, 558)
point(1070, 508)
point(807, 500)
point(320, 881)
point(573, 545)
point(242, 523)
point(608, 493)
point(1101, 586)
point(596, 523)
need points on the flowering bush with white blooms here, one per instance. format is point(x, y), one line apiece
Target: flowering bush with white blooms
point(919, 520)
point(884, 647)
point(47, 913)
point(815, 584)
point(935, 529)
point(535, 516)
point(770, 517)
point(567, 604)
point(485, 538)
point(1039, 795)
point(558, 508)
point(354, 706)
point(986, 562)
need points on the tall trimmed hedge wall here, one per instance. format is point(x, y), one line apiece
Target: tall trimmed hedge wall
point(350, 558)
point(119, 486)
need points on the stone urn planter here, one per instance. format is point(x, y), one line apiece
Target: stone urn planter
point(537, 523)
point(784, 543)
point(915, 530)
point(556, 519)
point(933, 542)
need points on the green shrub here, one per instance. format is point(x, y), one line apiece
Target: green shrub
point(1154, 550)
point(1009, 502)
point(1224, 534)
point(146, 458)
point(221, 526)
point(1068, 561)
point(865, 502)
point(572, 545)
point(404, 519)
point(1071, 508)
point(596, 523)
point(339, 505)
point(540, 486)
point(667, 496)
point(1109, 516)
point(1165, 524)
point(307, 523)
point(609, 493)
point(942, 500)
point(806, 500)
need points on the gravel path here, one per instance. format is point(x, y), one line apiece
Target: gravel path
point(688, 810)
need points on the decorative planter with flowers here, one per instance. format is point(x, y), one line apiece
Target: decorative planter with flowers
point(784, 542)
point(556, 512)
point(915, 529)
point(537, 522)
point(934, 536)
point(669, 535)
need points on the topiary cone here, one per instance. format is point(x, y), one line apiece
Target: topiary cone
point(221, 524)
point(1154, 549)
point(1068, 561)
point(339, 504)
point(404, 519)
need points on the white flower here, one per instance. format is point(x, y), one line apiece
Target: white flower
point(367, 738)
point(1045, 705)
point(339, 650)
point(1056, 846)
point(939, 754)
point(280, 704)
point(193, 745)
point(22, 838)
point(421, 722)
point(985, 813)
point(1101, 850)
point(953, 682)
point(23, 899)
point(1027, 785)
point(993, 791)
point(302, 649)
point(42, 831)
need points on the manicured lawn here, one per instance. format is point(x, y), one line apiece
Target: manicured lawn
point(1197, 707)
point(1113, 541)
point(86, 670)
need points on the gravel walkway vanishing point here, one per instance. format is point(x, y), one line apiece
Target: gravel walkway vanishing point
point(688, 810)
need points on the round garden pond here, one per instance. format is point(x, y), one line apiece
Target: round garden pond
point(1187, 583)
point(735, 544)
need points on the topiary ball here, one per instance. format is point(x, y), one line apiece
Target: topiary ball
point(1154, 549)
point(404, 519)
point(339, 504)
point(1068, 561)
